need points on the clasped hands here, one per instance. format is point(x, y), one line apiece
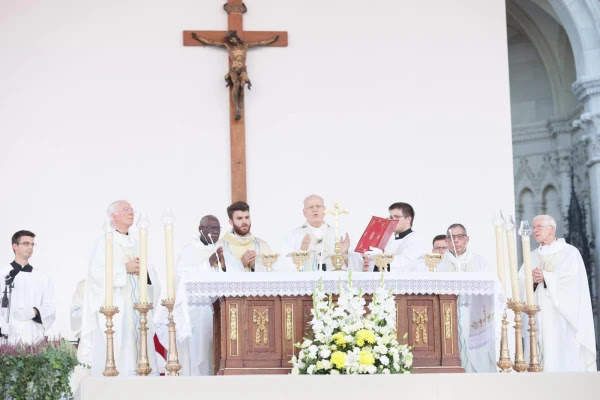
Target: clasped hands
point(538, 275)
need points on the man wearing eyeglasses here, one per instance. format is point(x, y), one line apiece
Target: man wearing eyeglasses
point(405, 244)
point(126, 268)
point(476, 334)
point(318, 238)
point(458, 258)
point(202, 255)
point(31, 303)
point(566, 324)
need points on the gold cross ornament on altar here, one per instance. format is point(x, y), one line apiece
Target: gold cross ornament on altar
point(336, 212)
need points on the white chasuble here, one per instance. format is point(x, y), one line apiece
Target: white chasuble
point(320, 249)
point(92, 347)
point(31, 289)
point(565, 324)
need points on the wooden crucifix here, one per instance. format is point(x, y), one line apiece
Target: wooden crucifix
point(236, 41)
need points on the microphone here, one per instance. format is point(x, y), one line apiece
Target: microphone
point(213, 245)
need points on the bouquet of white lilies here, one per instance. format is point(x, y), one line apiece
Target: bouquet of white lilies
point(346, 341)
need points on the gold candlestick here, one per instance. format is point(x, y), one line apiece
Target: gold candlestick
point(504, 362)
point(382, 260)
point(432, 260)
point(173, 365)
point(110, 369)
point(143, 366)
point(534, 360)
point(337, 259)
point(268, 259)
point(298, 257)
point(518, 306)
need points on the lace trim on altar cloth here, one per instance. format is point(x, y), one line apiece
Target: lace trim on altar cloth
point(289, 284)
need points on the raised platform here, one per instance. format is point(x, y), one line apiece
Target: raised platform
point(547, 386)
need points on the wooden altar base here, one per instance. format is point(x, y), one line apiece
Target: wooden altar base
point(256, 335)
point(547, 386)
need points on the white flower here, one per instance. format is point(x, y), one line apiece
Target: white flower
point(295, 371)
point(385, 371)
point(325, 353)
point(397, 366)
point(381, 349)
point(371, 369)
point(396, 357)
point(310, 369)
point(312, 351)
point(306, 343)
point(384, 360)
point(408, 360)
point(326, 364)
point(334, 372)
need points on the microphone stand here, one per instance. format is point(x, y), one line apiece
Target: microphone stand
point(7, 299)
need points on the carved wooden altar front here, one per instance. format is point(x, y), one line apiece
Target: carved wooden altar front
point(256, 335)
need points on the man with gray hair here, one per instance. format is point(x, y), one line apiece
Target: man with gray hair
point(476, 339)
point(566, 326)
point(126, 268)
point(318, 238)
point(458, 258)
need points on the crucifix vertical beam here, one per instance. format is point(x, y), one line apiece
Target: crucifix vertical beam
point(237, 129)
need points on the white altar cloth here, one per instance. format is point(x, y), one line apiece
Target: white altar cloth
point(302, 284)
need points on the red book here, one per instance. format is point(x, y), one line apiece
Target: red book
point(377, 234)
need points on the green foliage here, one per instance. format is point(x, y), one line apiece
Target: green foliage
point(40, 371)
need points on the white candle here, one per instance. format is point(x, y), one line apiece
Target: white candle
point(108, 269)
point(527, 269)
point(511, 244)
point(170, 261)
point(143, 275)
point(500, 256)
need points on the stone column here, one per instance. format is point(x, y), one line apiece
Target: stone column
point(562, 132)
point(590, 124)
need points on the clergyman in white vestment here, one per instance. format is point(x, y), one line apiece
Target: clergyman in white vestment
point(32, 307)
point(194, 324)
point(566, 340)
point(92, 347)
point(405, 244)
point(476, 324)
point(318, 238)
point(241, 249)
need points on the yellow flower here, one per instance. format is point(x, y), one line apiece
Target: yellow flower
point(338, 359)
point(364, 336)
point(339, 340)
point(366, 358)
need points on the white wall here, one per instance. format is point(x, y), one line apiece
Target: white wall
point(371, 103)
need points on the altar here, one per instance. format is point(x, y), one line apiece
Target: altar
point(259, 317)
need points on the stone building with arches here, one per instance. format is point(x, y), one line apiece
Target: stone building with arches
point(554, 63)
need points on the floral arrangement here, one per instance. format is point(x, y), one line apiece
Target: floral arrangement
point(346, 341)
point(39, 371)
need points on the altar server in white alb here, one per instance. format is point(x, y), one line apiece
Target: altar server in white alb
point(28, 294)
point(126, 266)
point(566, 340)
point(202, 256)
point(318, 238)
point(242, 250)
point(405, 244)
point(476, 321)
